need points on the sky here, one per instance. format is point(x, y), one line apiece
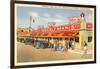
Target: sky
point(42, 16)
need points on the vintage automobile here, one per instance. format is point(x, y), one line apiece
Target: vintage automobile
point(41, 44)
point(21, 39)
point(29, 41)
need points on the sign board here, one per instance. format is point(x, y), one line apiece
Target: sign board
point(65, 27)
point(74, 19)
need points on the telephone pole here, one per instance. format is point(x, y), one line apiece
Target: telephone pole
point(30, 28)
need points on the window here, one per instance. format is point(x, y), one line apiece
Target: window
point(57, 38)
point(89, 38)
point(22, 30)
point(76, 39)
point(60, 38)
point(71, 38)
point(66, 38)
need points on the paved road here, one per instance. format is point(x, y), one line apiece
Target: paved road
point(27, 53)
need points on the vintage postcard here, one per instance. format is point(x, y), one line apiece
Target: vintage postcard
point(47, 34)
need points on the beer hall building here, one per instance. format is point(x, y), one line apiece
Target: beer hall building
point(79, 32)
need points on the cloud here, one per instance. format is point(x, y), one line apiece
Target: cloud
point(46, 15)
point(34, 14)
point(59, 16)
point(58, 20)
point(23, 22)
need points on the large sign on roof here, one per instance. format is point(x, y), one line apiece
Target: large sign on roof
point(63, 27)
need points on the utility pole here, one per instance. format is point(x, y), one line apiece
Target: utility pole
point(30, 23)
point(30, 26)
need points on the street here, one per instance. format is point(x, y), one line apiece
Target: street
point(27, 53)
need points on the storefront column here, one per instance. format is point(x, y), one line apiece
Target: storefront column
point(83, 32)
point(63, 42)
point(83, 37)
point(52, 40)
point(48, 39)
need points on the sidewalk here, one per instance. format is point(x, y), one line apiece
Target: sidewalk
point(79, 51)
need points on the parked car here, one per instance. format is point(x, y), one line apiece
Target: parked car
point(21, 40)
point(41, 44)
point(29, 41)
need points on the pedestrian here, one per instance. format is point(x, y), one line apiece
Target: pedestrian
point(70, 43)
point(73, 45)
point(84, 49)
point(60, 47)
point(67, 45)
point(55, 45)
